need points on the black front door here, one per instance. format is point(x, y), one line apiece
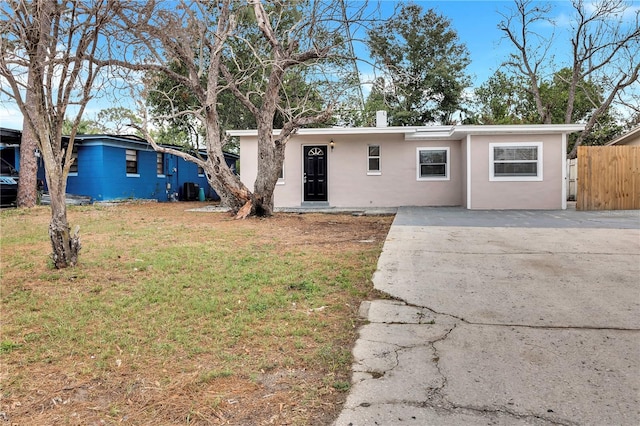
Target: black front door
point(315, 173)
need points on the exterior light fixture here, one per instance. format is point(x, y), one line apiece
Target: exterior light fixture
point(332, 144)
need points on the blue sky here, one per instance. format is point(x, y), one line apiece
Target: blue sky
point(476, 24)
point(475, 21)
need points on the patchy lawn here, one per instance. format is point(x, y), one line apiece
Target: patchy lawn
point(176, 317)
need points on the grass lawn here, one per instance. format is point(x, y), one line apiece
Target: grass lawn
point(177, 317)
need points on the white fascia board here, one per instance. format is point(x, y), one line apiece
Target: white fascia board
point(435, 132)
point(518, 129)
point(430, 132)
point(331, 131)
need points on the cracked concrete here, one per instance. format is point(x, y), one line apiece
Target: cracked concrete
point(535, 325)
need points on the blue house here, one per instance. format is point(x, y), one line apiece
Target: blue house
point(110, 167)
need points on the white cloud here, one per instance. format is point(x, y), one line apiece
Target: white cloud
point(10, 116)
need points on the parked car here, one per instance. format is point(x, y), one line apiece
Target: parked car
point(8, 184)
point(8, 191)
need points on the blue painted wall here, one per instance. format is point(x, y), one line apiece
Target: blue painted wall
point(102, 173)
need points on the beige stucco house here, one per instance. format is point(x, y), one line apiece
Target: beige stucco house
point(477, 167)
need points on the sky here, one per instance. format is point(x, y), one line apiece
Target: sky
point(475, 22)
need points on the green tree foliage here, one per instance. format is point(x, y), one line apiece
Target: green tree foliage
point(85, 127)
point(502, 99)
point(375, 102)
point(273, 60)
point(506, 99)
point(424, 64)
point(117, 120)
point(602, 67)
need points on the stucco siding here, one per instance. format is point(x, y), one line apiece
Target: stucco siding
point(397, 184)
point(349, 184)
point(544, 194)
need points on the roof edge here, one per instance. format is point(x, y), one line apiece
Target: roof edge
point(429, 132)
point(622, 138)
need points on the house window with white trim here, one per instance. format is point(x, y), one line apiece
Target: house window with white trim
point(132, 161)
point(160, 163)
point(373, 159)
point(517, 161)
point(433, 163)
point(200, 171)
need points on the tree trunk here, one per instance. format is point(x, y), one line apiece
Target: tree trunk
point(27, 184)
point(65, 245)
point(271, 157)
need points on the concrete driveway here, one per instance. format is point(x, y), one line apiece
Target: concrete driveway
point(502, 317)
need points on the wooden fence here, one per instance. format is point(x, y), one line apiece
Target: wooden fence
point(608, 178)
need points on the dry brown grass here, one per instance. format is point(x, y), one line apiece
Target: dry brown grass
point(176, 317)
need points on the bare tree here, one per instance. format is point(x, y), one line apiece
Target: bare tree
point(47, 66)
point(251, 50)
point(604, 49)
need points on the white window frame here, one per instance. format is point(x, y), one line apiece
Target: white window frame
point(539, 162)
point(447, 165)
point(160, 156)
point(377, 172)
point(126, 154)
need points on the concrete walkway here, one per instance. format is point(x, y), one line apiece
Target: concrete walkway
point(502, 317)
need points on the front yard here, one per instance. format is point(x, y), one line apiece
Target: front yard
point(176, 317)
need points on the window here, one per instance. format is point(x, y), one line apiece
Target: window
point(200, 171)
point(373, 159)
point(132, 161)
point(521, 161)
point(281, 176)
point(74, 157)
point(160, 163)
point(433, 163)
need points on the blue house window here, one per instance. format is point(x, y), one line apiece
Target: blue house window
point(160, 163)
point(132, 161)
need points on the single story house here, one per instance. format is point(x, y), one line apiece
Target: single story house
point(477, 167)
point(116, 167)
point(631, 138)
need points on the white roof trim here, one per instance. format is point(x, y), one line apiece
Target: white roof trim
point(431, 132)
point(623, 138)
